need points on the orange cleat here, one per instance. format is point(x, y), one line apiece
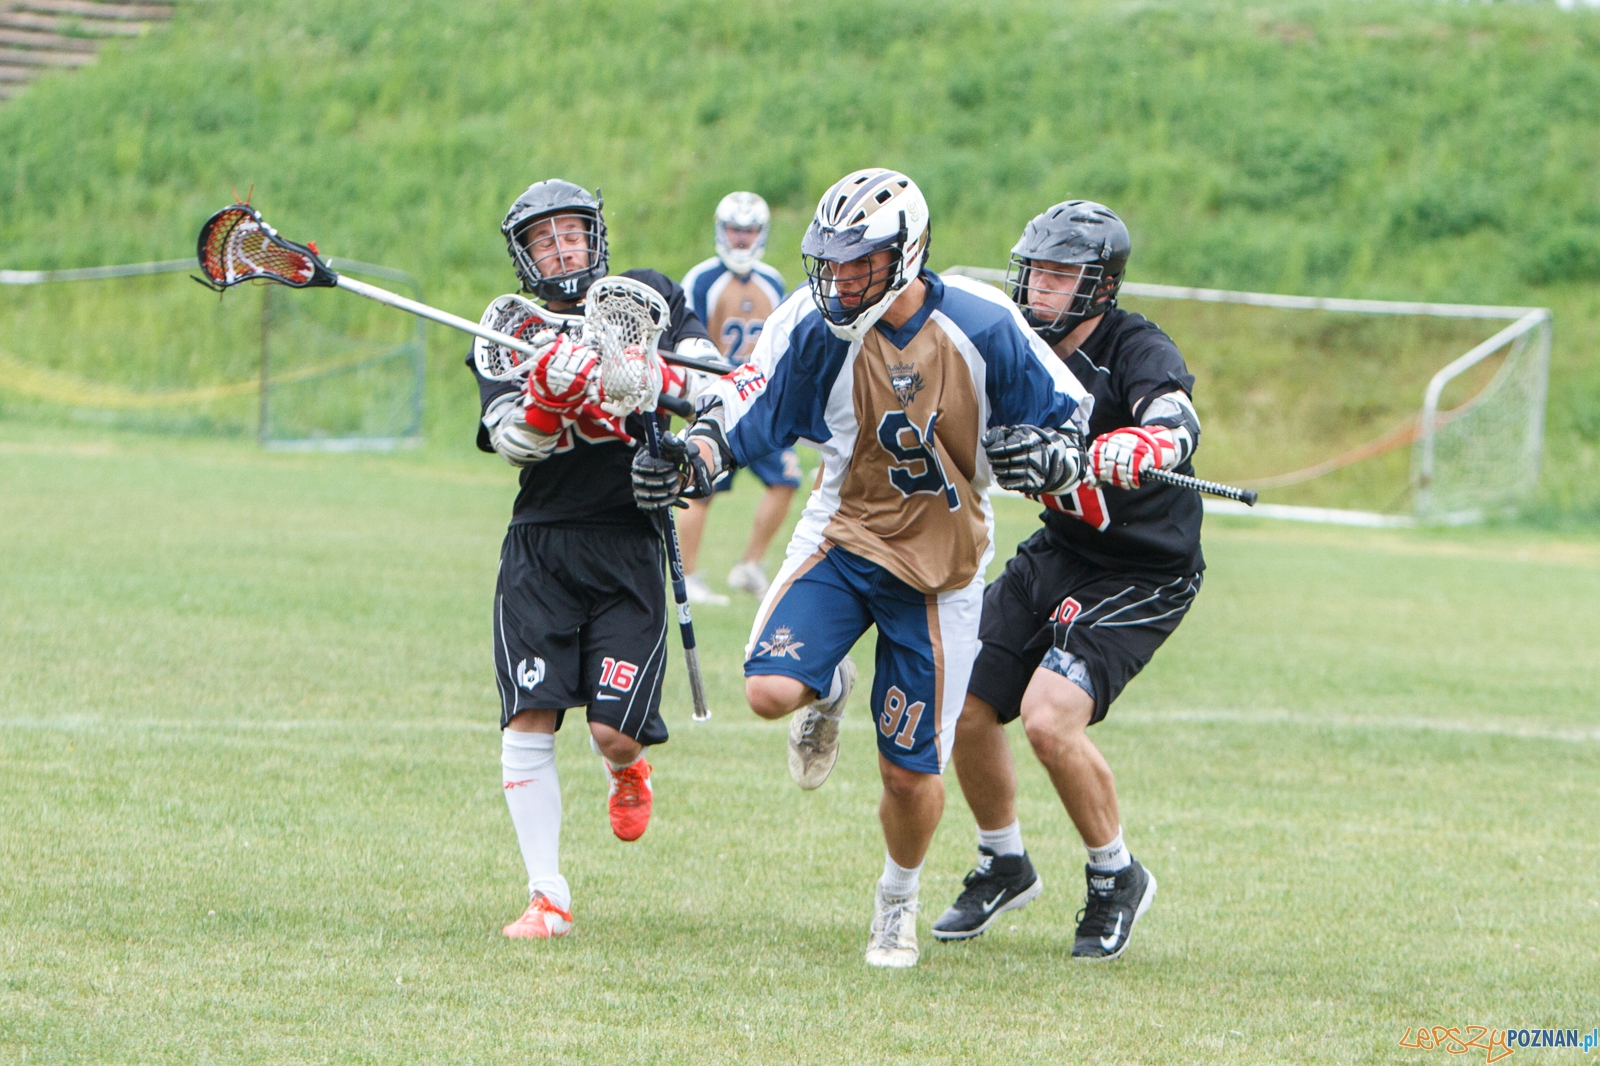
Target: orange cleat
point(630, 799)
point(543, 920)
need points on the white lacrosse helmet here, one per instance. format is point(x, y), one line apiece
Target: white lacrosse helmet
point(742, 210)
point(865, 212)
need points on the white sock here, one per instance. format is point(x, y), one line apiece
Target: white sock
point(533, 793)
point(898, 882)
point(835, 687)
point(1007, 841)
point(1111, 858)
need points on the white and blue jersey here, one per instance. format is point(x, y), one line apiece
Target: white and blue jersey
point(734, 309)
point(900, 529)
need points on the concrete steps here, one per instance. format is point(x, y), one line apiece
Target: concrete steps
point(37, 36)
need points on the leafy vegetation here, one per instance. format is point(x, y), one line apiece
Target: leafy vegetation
point(1392, 150)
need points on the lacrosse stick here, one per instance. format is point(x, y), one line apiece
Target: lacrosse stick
point(1184, 481)
point(623, 318)
point(236, 245)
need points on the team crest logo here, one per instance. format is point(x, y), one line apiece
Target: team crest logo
point(529, 677)
point(781, 644)
point(905, 381)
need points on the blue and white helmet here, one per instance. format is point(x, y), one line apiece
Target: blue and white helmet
point(867, 211)
point(742, 210)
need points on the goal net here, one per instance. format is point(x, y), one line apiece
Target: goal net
point(1361, 411)
point(141, 346)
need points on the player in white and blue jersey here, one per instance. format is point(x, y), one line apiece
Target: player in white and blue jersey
point(733, 292)
point(893, 374)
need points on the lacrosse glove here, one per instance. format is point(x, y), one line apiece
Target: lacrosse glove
point(1118, 458)
point(512, 437)
point(1032, 460)
point(677, 474)
point(559, 382)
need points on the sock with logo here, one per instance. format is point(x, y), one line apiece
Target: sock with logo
point(533, 793)
point(898, 882)
point(835, 686)
point(1007, 841)
point(1110, 858)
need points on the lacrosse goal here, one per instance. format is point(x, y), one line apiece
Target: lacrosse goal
point(294, 374)
point(1353, 371)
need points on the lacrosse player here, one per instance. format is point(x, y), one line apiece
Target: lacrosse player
point(580, 610)
point(733, 292)
point(892, 373)
point(1088, 599)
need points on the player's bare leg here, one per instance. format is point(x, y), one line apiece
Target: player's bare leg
point(749, 575)
point(909, 809)
point(691, 528)
point(1004, 878)
point(1056, 713)
point(984, 766)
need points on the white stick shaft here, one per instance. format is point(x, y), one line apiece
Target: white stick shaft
point(433, 314)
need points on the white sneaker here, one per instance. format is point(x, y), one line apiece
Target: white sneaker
point(893, 940)
point(814, 733)
point(700, 592)
point(748, 577)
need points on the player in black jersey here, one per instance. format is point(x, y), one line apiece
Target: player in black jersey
point(1088, 599)
point(580, 613)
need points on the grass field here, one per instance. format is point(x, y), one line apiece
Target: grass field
point(250, 807)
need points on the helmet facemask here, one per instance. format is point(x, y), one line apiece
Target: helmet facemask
point(551, 264)
point(742, 211)
point(851, 291)
point(1051, 300)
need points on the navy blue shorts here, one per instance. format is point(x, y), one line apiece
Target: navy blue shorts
point(774, 468)
point(820, 604)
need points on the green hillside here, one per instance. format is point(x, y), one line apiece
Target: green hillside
point(1392, 150)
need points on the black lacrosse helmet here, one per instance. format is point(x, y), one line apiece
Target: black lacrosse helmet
point(1075, 233)
point(550, 199)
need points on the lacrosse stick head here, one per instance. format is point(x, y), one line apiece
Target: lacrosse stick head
point(236, 245)
point(623, 319)
point(525, 320)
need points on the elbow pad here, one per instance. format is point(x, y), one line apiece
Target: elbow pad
point(510, 435)
point(1174, 411)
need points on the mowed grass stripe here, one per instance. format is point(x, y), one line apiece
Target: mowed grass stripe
point(253, 812)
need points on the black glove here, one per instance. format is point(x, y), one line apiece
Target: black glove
point(666, 480)
point(1032, 460)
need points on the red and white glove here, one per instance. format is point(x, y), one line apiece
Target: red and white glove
point(560, 380)
point(1118, 458)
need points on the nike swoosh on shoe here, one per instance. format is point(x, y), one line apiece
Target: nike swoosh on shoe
point(1110, 942)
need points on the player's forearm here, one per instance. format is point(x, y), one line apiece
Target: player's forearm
point(1173, 419)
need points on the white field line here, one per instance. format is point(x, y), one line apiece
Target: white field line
point(853, 723)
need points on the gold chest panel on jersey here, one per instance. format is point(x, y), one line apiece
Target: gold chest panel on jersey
point(737, 315)
point(907, 501)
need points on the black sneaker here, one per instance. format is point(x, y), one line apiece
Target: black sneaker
point(999, 884)
point(1114, 903)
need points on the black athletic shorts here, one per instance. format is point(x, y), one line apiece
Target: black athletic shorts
point(580, 619)
point(1094, 626)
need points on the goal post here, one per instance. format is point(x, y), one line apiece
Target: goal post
point(1469, 460)
point(137, 345)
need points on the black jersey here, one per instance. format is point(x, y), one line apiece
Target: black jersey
point(588, 481)
point(1126, 363)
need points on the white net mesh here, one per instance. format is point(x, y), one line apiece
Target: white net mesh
point(1485, 454)
point(624, 318)
point(520, 318)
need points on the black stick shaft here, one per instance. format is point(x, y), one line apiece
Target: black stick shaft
point(680, 590)
point(1184, 481)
